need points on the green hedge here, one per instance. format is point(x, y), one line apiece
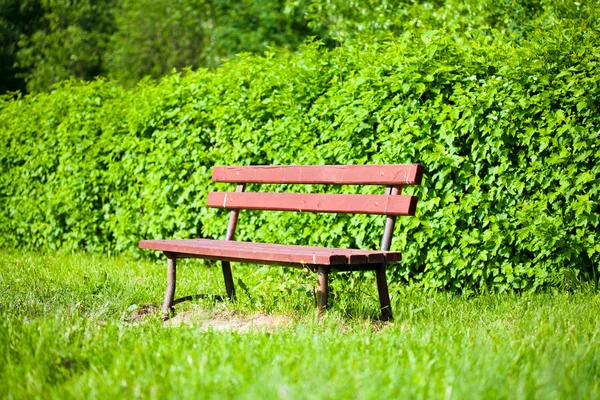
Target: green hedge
point(508, 133)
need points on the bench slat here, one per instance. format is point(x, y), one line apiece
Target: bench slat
point(351, 257)
point(328, 203)
point(264, 253)
point(356, 256)
point(392, 174)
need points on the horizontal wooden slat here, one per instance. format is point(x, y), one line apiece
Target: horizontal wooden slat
point(243, 251)
point(352, 256)
point(356, 256)
point(392, 174)
point(264, 253)
point(328, 203)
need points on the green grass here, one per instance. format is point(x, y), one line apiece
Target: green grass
point(64, 332)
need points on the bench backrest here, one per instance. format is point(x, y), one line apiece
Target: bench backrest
point(391, 204)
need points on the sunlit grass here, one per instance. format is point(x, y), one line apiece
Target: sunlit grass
point(66, 331)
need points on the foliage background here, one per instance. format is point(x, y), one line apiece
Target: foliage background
point(46, 41)
point(498, 100)
point(43, 42)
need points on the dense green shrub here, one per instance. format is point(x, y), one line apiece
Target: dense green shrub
point(18, 18)
point(508, 132)
point(70, 41)
point(341, 20)
point(45, 41)
point(153, 37)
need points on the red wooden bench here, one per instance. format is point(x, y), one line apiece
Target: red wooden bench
point(319, 259)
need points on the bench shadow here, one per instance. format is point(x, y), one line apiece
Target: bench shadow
point(214, 297)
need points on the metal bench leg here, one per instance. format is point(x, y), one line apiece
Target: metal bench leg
point(323, 290)
point(226, 266)
point(167, 307)
point(384, 295)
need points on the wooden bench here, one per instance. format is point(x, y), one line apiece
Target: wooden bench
point(321, 260)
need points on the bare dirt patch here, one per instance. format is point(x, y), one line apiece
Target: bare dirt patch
point(140, 313)
point(228, 321)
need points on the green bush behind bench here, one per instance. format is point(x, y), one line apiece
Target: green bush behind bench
point(508, 132)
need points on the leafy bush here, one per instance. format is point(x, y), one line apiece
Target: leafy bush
point(46, 41)
point(153, 37)
point(18, 18)
point(508, 133)
point(69, 42)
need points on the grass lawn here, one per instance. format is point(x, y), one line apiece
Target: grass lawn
point(75, 326)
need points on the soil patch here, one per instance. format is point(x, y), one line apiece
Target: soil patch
point(228, 321)
point(140, 313)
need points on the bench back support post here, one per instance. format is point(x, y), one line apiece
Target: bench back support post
point(390, 220)
point(225, 265)
point(233, 215)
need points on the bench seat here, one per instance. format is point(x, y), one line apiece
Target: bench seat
point(264, 253)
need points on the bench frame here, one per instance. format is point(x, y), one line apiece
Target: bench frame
point(361, 175)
